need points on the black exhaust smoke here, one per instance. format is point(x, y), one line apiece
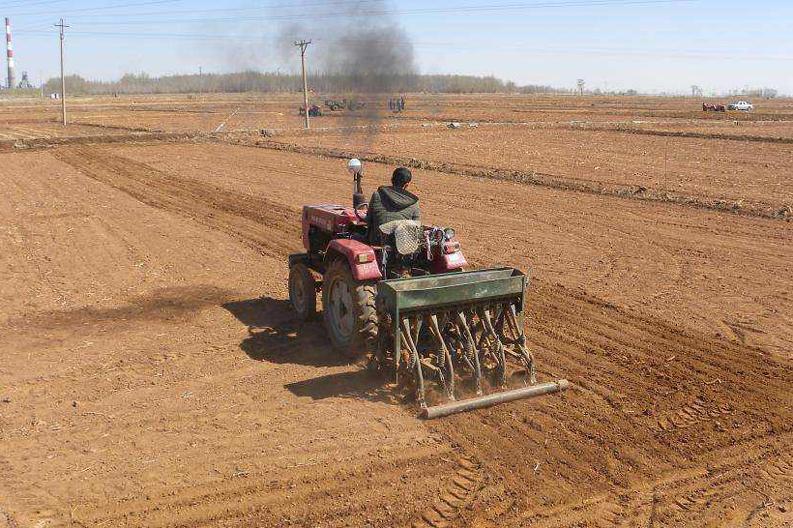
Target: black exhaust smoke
point(359, 53)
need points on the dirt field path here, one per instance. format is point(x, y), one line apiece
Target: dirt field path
point(154, 376)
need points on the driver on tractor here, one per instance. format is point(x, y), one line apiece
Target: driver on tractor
point(390, 203)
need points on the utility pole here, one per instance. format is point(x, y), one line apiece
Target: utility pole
point(303, 45)
point(62, 27)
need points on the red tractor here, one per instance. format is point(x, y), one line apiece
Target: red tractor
point(708, 107)
point(342, 264)
point(406, 304)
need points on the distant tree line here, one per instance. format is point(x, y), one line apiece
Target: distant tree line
point(765, 93)
point(250, 81)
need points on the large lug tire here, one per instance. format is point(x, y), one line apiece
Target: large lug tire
point(348, 308)
point(302, 291)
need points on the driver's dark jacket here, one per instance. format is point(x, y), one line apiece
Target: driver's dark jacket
point(389, 204)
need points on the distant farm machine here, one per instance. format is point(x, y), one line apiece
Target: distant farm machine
point(335, 105)
point(406, 304)
point(709, 107)
point(313, 111)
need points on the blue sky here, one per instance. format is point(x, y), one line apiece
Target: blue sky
point(650, 45)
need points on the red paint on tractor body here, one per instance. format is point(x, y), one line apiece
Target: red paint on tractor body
point(351, 250)
point(329, 218)
point(451, 262)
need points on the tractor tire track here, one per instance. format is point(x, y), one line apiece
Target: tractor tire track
point(679, 498)
point(257, 222)
point(630, 404)
point(457, 494)
point(261, 499)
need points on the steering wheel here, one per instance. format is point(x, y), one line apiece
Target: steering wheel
point(361, 210)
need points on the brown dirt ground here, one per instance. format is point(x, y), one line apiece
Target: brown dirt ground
point(730, 128)
point(165, 113)
point(707, 168)
point(154, 376)
point(205, 112)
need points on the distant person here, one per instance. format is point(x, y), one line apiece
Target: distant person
point(401, 104)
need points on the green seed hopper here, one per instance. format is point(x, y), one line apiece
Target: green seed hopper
point(459, 334)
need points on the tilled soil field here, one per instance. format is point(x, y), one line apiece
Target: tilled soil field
point(154, 375)
point(207, 112)
point(493, 108)
point(742, 130)
point(190, 113)
point(716, 169)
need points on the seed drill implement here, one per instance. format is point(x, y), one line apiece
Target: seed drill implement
point(405, 303)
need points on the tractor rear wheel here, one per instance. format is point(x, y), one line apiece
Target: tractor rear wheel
point(302, 291)
point(348, 308)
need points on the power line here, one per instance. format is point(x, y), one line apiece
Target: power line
point(471, 8)
point(27, 4)
point(133, 35)
point(103, 8)
point(302, 6)
point(516, 47)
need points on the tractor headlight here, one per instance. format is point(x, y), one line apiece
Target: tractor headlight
point(355, 166)
point(451, 247)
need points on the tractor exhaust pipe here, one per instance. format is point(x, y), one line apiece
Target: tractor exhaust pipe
point(439, 411)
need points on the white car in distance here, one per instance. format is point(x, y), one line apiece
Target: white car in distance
point(744, 106)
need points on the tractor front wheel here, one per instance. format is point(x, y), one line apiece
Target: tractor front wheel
point(348, 308)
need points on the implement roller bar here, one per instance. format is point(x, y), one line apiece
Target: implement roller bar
point(447, 409)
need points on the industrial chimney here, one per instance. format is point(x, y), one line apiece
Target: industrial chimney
point(10, 47)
